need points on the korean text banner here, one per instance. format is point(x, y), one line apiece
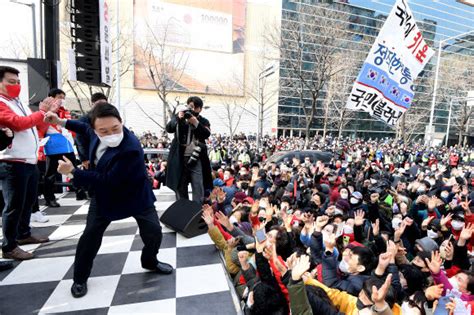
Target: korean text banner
point(384, 87)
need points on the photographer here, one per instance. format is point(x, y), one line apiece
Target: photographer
point(188, 161)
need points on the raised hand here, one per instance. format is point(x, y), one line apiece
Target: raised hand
point(359, 217)
point(466, 232)
point(208, 218)
point(321, 222)
point(426, 222)
point(50, 104)
point(449, 251)
point(376, 227)
point(8, 132)
point(435, 263)
point(301, 266)
point(384, 260)
point(224, 220)
point(65, 167)
point(446, 219)
point(434, 292)
point(51, 118)
point(399, 232)
point(378, 295)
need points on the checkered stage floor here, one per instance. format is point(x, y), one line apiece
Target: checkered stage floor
point(118, 284)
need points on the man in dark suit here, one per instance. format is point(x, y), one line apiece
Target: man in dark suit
point(118, 177)
point(188, 161)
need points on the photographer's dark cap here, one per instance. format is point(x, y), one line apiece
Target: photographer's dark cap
point(262, 173)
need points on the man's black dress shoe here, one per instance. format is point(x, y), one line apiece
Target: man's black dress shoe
point(78, 289)
point(161, 267)
point(53, 204)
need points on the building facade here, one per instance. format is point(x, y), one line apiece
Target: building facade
point(359, 22)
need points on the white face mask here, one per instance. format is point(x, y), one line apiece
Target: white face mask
point(457, 225)
point(354, 201)
point(226, 177)
point(233, 220)
point(454, 283)
point(112, 141)
point(343, 266)
point(421, 190)
point(432, 234)
point(445, 194)
point(396, 223)
point(338, 212)
point(373, 181)
point(347, 229)
point(344, 195)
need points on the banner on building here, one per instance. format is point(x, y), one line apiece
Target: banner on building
point(384, 87)
point(200, 42)
point(105, 44)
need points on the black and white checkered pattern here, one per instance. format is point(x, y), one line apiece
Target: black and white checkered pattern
point(118, 284)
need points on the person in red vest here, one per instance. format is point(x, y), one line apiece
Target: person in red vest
point(18, 161)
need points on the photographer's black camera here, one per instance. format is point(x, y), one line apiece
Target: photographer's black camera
point(188, 114)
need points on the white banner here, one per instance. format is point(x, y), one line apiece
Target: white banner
point(384, 87)
point(105, 43)
point(191, 27)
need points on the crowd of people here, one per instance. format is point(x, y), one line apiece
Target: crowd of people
point(383, 228)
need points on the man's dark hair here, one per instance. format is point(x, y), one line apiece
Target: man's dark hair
point(196, 100)
point(366, 258)
point(7, 69)
point(102, 111)
point(54, 92)
point(98, 97)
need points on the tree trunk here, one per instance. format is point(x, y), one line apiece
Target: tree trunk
point(165, 114)
point(325, 125)
point(306, 138)
point(341, 123)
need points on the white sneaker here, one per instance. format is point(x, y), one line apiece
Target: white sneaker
point(39, 217)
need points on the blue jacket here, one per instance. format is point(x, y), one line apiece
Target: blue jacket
point(57, 144)
point(119, 180)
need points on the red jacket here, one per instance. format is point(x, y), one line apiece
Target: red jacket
point(9, 119)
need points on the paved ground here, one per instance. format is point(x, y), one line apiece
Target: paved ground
point(118, 284)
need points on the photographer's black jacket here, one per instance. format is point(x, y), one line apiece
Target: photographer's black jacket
point(176, 155)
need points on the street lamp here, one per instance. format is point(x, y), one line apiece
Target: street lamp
point(268, 71)
point(430, 132)
point(449, 115)
point(33, 13)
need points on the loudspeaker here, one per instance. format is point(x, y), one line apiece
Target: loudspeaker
point(184, 216)
point(86, 42)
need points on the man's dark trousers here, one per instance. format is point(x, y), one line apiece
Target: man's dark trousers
point(20, 187)
point(91, 239)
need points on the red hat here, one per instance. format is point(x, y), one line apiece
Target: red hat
point(249, 200)
point(354, 245)
point(239, 197)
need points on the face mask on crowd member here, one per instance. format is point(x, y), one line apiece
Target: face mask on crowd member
point(10, 83)
point(457, 225)
point(107, 124)
point(462, 282)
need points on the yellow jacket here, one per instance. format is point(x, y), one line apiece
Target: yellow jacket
point(347, 303)
point(221, 243)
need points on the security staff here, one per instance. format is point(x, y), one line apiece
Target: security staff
point(118, 177)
